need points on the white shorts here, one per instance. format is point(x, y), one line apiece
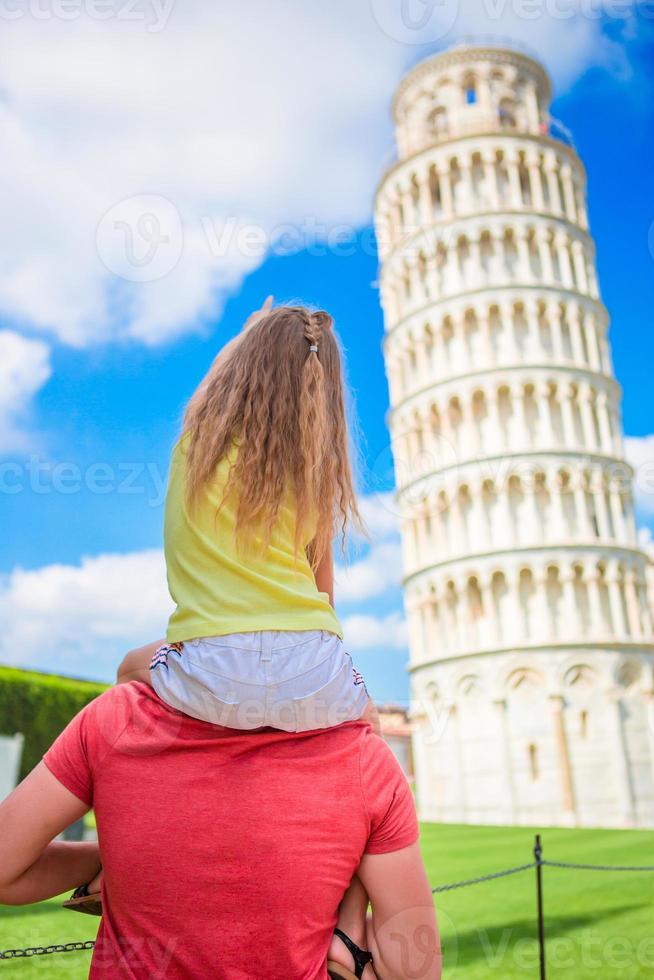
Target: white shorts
point(294, 681)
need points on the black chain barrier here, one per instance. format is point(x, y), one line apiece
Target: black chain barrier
point(538, 863)
point(482, 878)
point(12, 954)
point(598, 867)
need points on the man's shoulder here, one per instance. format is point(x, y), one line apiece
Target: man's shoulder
point(118, 697)
point(130, 708)
point(374, 748)
point(380, 770)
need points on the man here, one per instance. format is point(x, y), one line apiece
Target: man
point(225, 854)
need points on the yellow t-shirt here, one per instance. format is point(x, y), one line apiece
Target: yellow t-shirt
point(216, 587)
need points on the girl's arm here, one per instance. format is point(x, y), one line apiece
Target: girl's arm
point(324, 575)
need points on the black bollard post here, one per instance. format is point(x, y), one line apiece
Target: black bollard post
point(538, 852)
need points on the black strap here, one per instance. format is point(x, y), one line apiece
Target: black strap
point(361, 956)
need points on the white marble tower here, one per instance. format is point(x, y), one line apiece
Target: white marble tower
point(532, 651)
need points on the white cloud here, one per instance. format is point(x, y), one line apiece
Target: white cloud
point(566, 35)
point(379, 570)
point(640, 453)
point(377, 573)
point(380, 513)
point(364, 631)
point(24, 369)
point(262, 112)
point(81, 619)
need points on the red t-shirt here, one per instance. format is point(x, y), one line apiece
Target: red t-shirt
point(225, 853)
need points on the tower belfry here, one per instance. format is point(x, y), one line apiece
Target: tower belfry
point(531, 643)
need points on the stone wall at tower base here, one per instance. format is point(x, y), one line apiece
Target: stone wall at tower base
point(563, 737)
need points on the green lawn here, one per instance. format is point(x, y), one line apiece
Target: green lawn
point(599, 925)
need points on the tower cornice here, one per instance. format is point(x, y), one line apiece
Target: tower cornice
point(486, 134)
point(464, 56)
point(507, 215)
point(590, 645)
point(505, 374)
point(524, 556)
point(474, 295)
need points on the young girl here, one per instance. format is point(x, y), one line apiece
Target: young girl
point(259, 484)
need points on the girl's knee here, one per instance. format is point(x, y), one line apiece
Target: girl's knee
point(134, 666)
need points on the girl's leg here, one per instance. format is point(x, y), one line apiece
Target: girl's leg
point(352, 915)
point(136, 664)
point(372, 715)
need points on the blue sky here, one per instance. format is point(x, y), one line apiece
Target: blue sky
point(96, 371)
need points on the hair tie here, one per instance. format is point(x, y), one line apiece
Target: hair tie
point(314, 348)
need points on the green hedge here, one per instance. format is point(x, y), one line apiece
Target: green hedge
point(40, 706)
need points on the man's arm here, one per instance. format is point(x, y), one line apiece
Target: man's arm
point(33, 866)
point(403, 933)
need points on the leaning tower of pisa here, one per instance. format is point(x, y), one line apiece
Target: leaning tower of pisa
point(531, 644)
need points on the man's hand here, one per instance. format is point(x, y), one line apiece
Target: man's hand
point(95, 885)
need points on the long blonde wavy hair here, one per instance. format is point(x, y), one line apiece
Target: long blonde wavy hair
point(277, 391)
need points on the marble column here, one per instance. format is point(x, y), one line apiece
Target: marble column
point(574, 321)
point(524, 264)
point(564, 261)
point(490, 176)
point(515, 190)
point(595, 603)
point(581, 510)
point(569, 432)
point(568, 194)
point(535, 184)
point(533, 109)
point(557, 705)
point(545, 252)
point(507, 785)
point(446, 191)
point(579, 260)
point(633, 604)
point(621, 768)
point(553, 185)
point(587, 423)
point(426, 208)
point(554, 317)
point(533, 326)
point(604, 424)
point(615, 602)
point(615, 503)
